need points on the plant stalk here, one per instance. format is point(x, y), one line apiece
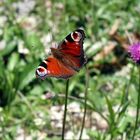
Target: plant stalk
point(138, 105)
point(85, 103)
point(65, 110)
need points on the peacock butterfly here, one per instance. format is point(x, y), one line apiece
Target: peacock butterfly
point(66, 60)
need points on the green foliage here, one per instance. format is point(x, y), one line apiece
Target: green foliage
point(22, 106)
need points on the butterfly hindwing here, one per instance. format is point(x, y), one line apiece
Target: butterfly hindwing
point(52, 67)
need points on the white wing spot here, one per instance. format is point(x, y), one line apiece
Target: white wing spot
point(48, 71)
point(65, 40)
point(45, 62)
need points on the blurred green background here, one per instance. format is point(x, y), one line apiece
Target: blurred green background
point(27, 30)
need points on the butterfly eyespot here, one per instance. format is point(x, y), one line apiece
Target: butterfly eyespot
point(76, 36)
point(41, 72)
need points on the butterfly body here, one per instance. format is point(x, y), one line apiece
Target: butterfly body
point(66, 60)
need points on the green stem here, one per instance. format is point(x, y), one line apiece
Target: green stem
point(122, 106)
point(85, 104)
point(65, 109)
point(138, 105)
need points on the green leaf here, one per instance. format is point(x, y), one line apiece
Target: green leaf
point(33, 41)
point(27, 75)
point(110, 109)
point(13, 61)
point(9, 48)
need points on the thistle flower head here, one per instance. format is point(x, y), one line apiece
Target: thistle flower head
point(134, 51)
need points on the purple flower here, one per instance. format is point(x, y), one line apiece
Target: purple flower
point(134, 51)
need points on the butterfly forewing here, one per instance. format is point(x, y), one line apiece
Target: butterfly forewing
point(71, 49)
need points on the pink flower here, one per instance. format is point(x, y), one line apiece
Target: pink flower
point(134, 51)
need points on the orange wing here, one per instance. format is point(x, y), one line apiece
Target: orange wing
point(52, 67)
